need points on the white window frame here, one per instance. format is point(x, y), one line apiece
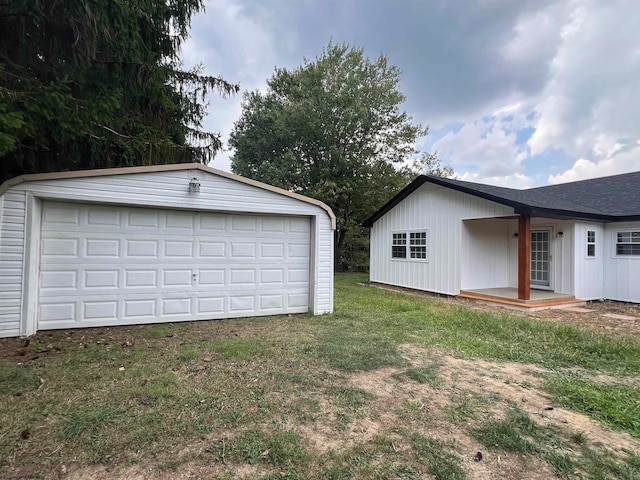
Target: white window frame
point(412, 249)
point(630, 256)
point(399, 236)
point(591, 243)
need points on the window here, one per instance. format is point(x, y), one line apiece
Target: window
point(628, 243)
point(418, 244)
point(591, 243)
point(399, 245)
point(415, 248)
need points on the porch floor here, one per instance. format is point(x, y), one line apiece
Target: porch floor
point(508, 297)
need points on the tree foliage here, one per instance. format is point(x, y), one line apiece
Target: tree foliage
point(94, 84)
point(331, 129)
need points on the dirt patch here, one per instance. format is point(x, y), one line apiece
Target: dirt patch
point(184, 472)
point(496, 387)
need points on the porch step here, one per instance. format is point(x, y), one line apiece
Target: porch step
point(532, 304)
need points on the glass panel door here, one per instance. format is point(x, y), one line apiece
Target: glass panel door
point(540, 244)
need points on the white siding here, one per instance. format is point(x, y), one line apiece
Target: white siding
point(589, 271)
point(621, 274)
point(562, 262)
point(153, 189)
point(441, 211)
point(324, 272)
point(485, 253)
point(12, 243)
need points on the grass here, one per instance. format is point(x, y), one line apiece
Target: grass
point(616, 405)
point(512, 434)
point(220, 394)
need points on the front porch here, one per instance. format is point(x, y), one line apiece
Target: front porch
point(508, 297)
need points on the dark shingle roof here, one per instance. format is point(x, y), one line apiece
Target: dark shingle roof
point(611, 199)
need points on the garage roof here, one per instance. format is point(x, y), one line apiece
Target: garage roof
point(164, 168)
point(610, 199)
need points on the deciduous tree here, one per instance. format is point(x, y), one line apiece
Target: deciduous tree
point(332, 129)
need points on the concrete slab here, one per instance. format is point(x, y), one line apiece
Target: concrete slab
point(619, 317)
point(578, 309)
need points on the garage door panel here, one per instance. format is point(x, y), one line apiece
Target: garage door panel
point(272, 276)
point(101, 279)
point(101, 248)
point(177, 278)
point(60, 214)
point(106, 310)
point(211, 277)
point(179, 221)
point(135, 308)
point(176, 306)
point(57, 311)
point(242, 276)
point(142, 218)
point(271, 301)
point(210, 305)
point(299, 225)
point(106, 265)
point(209, 249)
point(242, 303)
point(60, 247)
point(177, 249)
point(212, 222)
point(272, 225)
point(59, 280)
point(141, 248)
point(104, 216)
point(243, 223)
point(140, 278)
point(272, 250)
point(243, 250)
point(298, 250)
point(298, 275)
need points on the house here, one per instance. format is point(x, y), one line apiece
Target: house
point(541, 246)
point(157, 244)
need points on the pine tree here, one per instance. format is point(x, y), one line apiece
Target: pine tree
point(98, 84)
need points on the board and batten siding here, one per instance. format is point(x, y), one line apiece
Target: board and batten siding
point(161, 189)
point(589, 271)
point(621, 273)
point(440, 211)
point(485, 253)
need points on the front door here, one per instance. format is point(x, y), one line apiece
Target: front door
point(540, 257)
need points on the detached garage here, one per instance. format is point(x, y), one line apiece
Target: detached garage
point(157, 244)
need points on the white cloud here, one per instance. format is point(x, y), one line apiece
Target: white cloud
point(488, 146)
point(592, 96)
point(569, 68)
point(617, 162)
point(239, 46)
point(515, 180)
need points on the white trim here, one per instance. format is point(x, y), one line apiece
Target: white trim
point(31, 265)
point(615, 244)
point(407, 245)
point(588, 243)
point(551, 230)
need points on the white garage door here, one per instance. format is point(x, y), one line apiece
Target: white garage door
point(106, 265)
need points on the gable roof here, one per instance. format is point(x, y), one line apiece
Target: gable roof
point(609, 199)
point(164, 168)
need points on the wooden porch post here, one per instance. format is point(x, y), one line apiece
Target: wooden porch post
point(524, 257)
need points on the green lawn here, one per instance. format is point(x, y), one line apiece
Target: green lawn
point(389, 386)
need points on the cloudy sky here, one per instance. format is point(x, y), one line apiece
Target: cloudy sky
point(517, 93)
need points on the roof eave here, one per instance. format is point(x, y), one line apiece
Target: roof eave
point(518, 207)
